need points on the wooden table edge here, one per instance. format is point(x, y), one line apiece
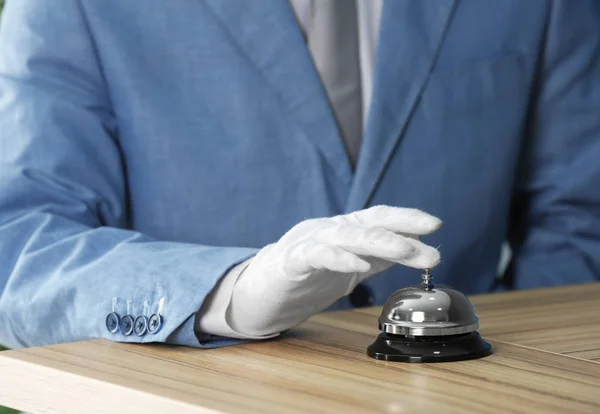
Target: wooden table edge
point(44, 380)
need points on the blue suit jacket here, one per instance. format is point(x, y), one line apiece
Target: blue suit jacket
point(146, 149)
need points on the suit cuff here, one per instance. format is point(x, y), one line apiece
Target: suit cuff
point(193, 273)
point(211, 321)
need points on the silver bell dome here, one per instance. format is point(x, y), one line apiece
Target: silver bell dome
point(428, 310)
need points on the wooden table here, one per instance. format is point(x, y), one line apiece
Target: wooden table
point(546, 360)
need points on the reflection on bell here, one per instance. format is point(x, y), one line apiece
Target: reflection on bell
point(425, 323)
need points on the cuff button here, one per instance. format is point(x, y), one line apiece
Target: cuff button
point(141, 325)
point(127, 325)
point(155, 323)
point(112, 322)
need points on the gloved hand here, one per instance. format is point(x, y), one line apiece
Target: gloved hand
point(320, 260)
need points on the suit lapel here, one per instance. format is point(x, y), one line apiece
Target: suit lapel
point(410, 37)
point(268, 34)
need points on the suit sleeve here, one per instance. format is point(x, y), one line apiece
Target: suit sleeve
point(555, 228)
point(65, 249)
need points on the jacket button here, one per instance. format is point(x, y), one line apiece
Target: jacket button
point(112, 322)
point(141, 325)
point(127, 325)
point(361, 296)
point(155, 323)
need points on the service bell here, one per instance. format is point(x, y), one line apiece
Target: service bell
point(427, 323)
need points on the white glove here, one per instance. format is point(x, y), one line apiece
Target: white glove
point(320, 260)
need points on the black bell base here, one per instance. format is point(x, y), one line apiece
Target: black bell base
point(449, 348)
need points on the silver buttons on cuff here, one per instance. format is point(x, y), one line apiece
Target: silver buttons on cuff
point(139, 325)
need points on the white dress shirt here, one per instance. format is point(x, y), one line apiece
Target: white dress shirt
point(213, 317)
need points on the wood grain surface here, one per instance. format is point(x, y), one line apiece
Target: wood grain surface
point(562, 320)
point(544, 341)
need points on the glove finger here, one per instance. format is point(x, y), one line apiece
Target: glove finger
point(307, 257)
point(424, 257)
point(377, 242)
point(396, 219)
point(374, 242)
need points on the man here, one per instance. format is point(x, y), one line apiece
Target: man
point(204, 172)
